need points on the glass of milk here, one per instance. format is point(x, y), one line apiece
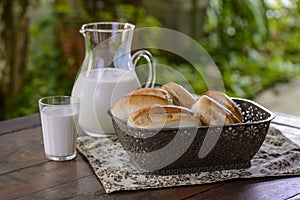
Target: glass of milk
point(59, 117)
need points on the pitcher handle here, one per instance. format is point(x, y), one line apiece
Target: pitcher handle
point(151, 69)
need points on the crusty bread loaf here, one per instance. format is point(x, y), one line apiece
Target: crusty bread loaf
point(180, 96)
point(210, 112)
point(158, 116)
point(227, 102)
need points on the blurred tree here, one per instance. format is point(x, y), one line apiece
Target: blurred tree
point(13, 48)
point(55, 51)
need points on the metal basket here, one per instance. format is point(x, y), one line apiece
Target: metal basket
point(196, 149)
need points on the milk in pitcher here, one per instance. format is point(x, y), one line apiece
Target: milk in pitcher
point(98, 90)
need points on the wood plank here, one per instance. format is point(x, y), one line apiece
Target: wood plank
point(26, 174)
point(173, 193)
point(88, 188)
point(19, 124)
point(84, 188)
point(271, 188)
point(44, 176)
point(21, 149)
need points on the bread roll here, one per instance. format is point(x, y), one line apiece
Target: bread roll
point(138, 99)
point(227, 102)
point(180, 96)
point(131, 103)
point(153, 91)
point(210, 112)
point(157, 116)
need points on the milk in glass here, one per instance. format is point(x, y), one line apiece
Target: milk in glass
point(59, 131)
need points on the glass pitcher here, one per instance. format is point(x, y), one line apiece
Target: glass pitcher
point(107, 73)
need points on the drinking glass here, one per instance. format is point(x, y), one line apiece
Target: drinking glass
point(59, 117)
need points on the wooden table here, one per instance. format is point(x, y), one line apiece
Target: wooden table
point(26, 174)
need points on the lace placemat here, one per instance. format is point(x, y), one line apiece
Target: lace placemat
point(278, 156)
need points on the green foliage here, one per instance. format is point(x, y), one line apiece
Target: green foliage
point(254, 44)
point(253, 49)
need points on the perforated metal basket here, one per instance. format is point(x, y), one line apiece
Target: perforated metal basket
point(195, 149)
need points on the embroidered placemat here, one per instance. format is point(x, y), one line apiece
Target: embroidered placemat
point(278, 156)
